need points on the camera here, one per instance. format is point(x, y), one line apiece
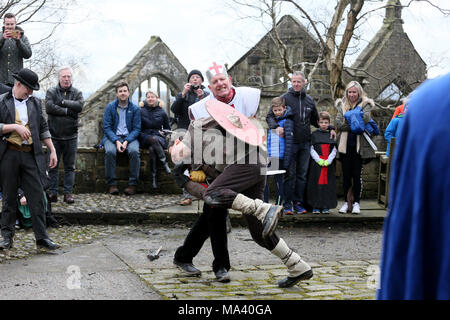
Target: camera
point(15, 33)
point(195, 87)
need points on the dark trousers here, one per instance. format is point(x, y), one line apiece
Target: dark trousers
point(66, 150)
point(295, 177)
point(16, 168)
point(351, 172)
point(248, 180)
point(279, 194)
point(211, 224)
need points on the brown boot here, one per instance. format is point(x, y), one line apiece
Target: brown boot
point(53, 197)
point(186, 202)
point(68, 198)
point(113, 190)
point(130, 190)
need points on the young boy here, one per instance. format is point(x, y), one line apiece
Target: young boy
point(321, 187)
point(394, 127)
point(279, 148)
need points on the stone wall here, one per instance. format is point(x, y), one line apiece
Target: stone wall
point(90, 175)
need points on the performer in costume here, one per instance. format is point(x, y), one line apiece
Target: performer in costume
point(240, 184)
point(321, 190)
point(415, 259)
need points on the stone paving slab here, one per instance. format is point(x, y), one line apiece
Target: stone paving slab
point(260, 283)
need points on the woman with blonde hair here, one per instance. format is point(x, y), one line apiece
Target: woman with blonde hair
point(353, 148)
point(153, 120)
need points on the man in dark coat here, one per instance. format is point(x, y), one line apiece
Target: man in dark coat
point(4, 88)
point(14, 47)
point(193, 91)
point(63, 103)
point(22, 159)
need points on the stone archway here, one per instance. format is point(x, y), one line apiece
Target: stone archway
point(155, 59)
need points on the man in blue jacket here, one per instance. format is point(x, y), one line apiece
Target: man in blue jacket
point(122, 124)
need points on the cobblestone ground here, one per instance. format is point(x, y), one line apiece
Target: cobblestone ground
point(100, 202)
point(333, 280)
point(25, 245)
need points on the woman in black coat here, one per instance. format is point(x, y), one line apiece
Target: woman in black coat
point(153, 120)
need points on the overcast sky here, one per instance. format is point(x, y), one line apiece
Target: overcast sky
point(111, 32)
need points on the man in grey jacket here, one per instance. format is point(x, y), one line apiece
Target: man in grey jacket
point(63, 104)
point(14, 47)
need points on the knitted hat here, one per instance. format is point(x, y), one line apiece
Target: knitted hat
point(195, 72)
point(216, 69)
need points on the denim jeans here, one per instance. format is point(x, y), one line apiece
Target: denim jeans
point(295, 177)
point(110, 161)
point(66, 150)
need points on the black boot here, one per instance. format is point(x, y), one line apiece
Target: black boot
point(162, 157)
point(154, 172)
point(6, 243)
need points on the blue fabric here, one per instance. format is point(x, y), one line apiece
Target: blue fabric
point(354, 118)
point(276, 143)
point(66, 150)
point(393, 130)
point(111, 121)
point(110, 162)
point(122, 126)
point(295, 177)
point(415, 261)
point(371, 128)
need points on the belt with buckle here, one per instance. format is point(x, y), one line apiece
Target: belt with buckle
point(22, 148)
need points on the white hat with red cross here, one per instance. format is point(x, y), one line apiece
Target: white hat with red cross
point(216, 69)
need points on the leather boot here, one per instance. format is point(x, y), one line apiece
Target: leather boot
point(6, 243)
point(162, 158)
point(154, 172)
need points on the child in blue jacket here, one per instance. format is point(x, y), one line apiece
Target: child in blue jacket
point(394, 127)
point(279, 148)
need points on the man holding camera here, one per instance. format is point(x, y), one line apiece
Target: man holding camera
point(192, 92)
point(14, 47)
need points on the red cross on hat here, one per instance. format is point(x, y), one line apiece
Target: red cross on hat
point(215, 69)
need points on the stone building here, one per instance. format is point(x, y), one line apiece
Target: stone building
point(389, 63)
point(260, 66)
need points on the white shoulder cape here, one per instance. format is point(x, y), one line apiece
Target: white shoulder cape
point(246, 101)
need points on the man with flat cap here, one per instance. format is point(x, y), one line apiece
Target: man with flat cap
point(22, 159)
